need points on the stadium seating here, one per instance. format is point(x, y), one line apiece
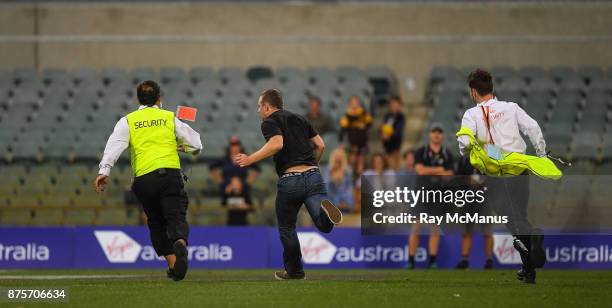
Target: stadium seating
point(65, 115)
point(54, 124)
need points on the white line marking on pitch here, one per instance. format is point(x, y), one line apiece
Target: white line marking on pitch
point(59, 277)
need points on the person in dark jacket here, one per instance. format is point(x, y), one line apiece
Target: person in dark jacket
point(392, 132)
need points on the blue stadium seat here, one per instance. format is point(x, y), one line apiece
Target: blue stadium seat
point(530, 73)
point(200, 73)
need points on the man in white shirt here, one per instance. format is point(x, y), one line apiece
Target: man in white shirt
point(154, 135)
point(500, 124)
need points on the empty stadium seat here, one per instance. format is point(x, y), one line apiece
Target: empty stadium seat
point(503, 73)
point(590, 73)
point(560, 73)
point(288, 75)
point(531, 73)
point(15, 217)
point(141, 74)
point(47, 217)
point(79, 217)
point(200, 73)
point(543, 83)
point(171, 75)
point(111, 217)
point(85, 75)
point(233, 76)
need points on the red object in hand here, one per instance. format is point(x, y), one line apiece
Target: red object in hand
point(187, 113)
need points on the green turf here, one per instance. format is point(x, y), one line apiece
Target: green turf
point(325, 288)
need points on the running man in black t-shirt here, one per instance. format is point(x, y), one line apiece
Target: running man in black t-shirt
point(297, 148)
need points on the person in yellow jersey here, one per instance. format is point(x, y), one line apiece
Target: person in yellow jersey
point(154, 137)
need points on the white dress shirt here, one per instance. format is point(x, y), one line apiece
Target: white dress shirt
point(187, 139)
point(507, 121)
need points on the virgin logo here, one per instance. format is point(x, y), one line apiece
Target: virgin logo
point(312, 249)
point(115, 248)
point(118, 247)
point(504, 250)
point(315, 248)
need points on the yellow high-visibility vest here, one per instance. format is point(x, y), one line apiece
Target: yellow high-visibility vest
point(152, 140)
point(511, 163)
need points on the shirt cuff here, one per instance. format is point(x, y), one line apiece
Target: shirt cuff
point(105, 170)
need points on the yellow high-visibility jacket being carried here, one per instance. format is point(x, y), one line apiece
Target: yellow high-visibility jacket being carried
point(152, 140)
point(510, 164)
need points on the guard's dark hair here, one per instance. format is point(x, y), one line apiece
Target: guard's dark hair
point(273, 98)
point(148, 93)
point(481, 81)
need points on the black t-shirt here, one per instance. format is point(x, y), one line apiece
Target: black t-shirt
point(428, 158)
point(296, 131)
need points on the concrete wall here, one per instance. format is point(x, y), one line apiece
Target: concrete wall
point(409, 38)
point(17, 21)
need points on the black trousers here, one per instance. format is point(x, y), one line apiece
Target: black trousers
point(509, 196)
point(164, 201)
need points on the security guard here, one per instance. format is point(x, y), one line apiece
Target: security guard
point(154, 135)
point(498, 125)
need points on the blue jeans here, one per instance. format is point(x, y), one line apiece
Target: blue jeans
point(306, 188)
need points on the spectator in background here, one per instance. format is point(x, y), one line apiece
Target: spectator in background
point(238, 203)
point(224, 169)
point(432, 162)
point(378, 176)
point(355, 124)
point(392, 132)
point(321, 122)
point(339, 179)
point(378, 173)
point(471, 179)
point(408, 172)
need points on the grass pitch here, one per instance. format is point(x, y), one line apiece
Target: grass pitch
point(323, 288)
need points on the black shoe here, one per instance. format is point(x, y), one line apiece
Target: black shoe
point(180, 266)
point(526, 276)
point(432, 265)
point(410, 265)
point(530, 277)
point(520, 274)
point(169, 273)
point(285, 276)
point(489, 264)
point(463, 264)
point(332, 212)
point(537, 253)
